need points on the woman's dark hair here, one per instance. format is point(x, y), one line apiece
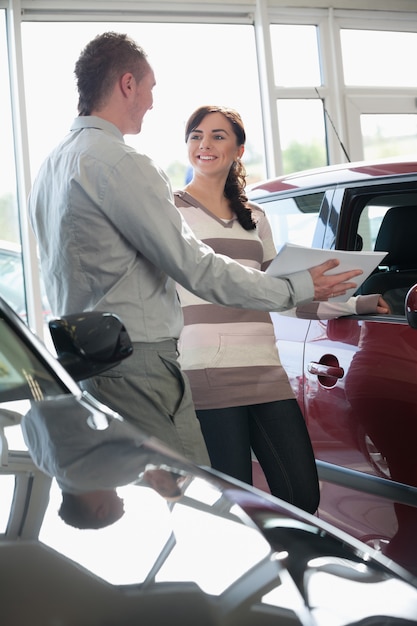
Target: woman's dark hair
point(101, 63)
point(234, 189)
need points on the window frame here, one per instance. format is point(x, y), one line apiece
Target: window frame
point(339, 101)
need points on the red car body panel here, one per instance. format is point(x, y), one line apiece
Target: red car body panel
point(355, 378)
point(341, 173)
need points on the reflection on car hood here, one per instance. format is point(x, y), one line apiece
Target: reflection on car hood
point(196, 547)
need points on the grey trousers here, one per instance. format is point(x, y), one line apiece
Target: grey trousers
point(150, 391)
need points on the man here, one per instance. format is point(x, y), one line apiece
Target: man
point(111, 239)
point(90, 453)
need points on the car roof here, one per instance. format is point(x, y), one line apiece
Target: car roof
point(333, 174)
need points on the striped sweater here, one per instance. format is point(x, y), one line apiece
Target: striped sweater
point(229, 354)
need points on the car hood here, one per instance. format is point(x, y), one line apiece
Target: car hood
point(192, 546)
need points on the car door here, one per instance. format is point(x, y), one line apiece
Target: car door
point(355, 378)
point(360, 391)
point(294, 218)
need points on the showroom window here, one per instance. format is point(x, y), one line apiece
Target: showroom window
point(389, 134)
point(389, 64)
point(11, 268)
point(302, 134)
point(292, 69)
point(301, 121)
point(338, 86)
point(381, 90)
point(202, 64)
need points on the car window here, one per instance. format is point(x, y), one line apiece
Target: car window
point(293, 219)
point(369, 224)
point(388, 223)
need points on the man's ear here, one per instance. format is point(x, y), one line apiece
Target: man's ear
point(101, 511)
point(127, 82)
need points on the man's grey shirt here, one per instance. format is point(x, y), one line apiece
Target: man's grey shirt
point(85, 450)
point(111, 239)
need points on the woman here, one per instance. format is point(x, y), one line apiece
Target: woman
point(241, 392)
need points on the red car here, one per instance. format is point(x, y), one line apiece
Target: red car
point(356, 377)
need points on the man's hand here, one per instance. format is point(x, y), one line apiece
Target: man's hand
point(330, 285)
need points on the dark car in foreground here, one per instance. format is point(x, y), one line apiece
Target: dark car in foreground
point(355, 377)
point(218, 554)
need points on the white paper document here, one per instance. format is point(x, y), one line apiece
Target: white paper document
point(292, 258)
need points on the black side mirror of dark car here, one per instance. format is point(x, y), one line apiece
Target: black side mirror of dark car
point(411, 307)
point(90, 343)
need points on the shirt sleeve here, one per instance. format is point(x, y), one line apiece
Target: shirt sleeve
point(356, 305)
point(146, 215)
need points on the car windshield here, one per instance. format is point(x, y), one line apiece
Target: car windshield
point(23, 377)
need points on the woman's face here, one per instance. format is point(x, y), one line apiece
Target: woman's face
point(212, 145)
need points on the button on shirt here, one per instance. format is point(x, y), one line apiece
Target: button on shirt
point(111, 239)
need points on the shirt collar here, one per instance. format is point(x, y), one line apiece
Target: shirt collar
point(93, 121)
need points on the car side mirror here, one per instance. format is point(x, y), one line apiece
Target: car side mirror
point(90, 343)
point(411, 307)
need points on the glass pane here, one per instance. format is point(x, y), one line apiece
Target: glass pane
point(379, 58)
point(196, 71)
point(369, 223)
point(6, 491)
point(11, 279)
point(295, 55)
point(389, 135)
point(23, 379)
point(302, 133)
point(22, 375)
point(386, 222)
point(294, 219)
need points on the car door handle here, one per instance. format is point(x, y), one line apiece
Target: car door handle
point(320, 369)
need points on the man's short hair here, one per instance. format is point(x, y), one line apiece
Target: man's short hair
point(75, 512)
point(101, 63)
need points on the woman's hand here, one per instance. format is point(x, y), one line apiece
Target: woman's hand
point(382, 307)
